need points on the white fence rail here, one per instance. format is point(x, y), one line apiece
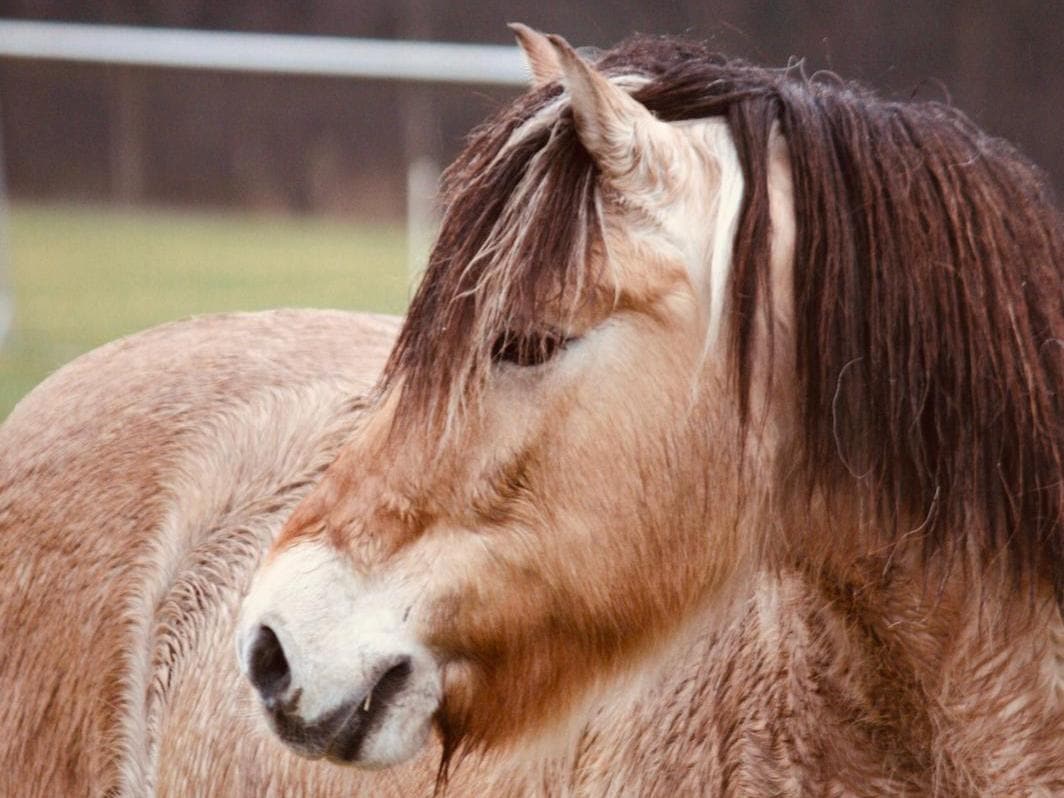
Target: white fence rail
point(429, 62)
point(327, 56)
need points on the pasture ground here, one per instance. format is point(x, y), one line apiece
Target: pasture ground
point(83, 276)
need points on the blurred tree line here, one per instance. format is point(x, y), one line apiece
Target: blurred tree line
point(74, 131)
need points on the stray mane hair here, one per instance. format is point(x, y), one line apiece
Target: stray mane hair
point(929, 303)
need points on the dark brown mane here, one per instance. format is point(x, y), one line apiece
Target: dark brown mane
point(928, 284)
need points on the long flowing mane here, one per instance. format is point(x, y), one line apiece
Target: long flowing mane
point(929, 335)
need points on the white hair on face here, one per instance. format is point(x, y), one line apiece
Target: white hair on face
point(729, 205)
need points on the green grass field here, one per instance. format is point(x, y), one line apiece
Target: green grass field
point(83, 276)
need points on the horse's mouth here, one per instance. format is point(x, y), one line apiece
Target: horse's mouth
point(339, 735)
point(365, 717)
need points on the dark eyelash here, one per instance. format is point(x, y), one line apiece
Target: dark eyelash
point(526, 349)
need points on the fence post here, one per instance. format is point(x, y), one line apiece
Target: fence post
point(422, 179)
point(419, 140)
point(127, 136)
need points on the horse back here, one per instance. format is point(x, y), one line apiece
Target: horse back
point(138, 487)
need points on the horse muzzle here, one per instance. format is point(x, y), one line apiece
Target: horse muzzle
point(336, 673)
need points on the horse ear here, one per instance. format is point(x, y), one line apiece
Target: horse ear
point(542, 59)
point(619, 133)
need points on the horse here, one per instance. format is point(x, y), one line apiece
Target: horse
point(720, 452)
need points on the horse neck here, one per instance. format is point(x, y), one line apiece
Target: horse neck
point(828, 677)
point(962, 664)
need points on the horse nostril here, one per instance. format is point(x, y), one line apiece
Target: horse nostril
point(391, 682)
point(267, 666)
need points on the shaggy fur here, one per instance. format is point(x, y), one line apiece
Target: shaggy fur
point(138, 489)
point(832, 568)
point(927, 280)
point(888, 444)
point(792, 696)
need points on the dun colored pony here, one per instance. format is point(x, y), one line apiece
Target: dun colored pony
point(720, 453)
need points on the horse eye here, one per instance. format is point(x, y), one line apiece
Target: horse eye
point(526, 349)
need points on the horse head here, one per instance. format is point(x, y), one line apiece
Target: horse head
point(685, 318)
point(549, 479)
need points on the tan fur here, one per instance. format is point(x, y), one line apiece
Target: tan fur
point(138, 489)
point(566, 532)
point(804, 688)
point(625, 596)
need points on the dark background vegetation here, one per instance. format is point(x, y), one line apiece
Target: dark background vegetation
point(327, 145)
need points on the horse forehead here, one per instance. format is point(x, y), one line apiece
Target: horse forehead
point(696, 214)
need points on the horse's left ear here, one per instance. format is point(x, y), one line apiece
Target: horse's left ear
point(540, 54)
point(624, 138)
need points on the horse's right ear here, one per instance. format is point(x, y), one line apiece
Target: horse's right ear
point(631, 146)
point(541, 57)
